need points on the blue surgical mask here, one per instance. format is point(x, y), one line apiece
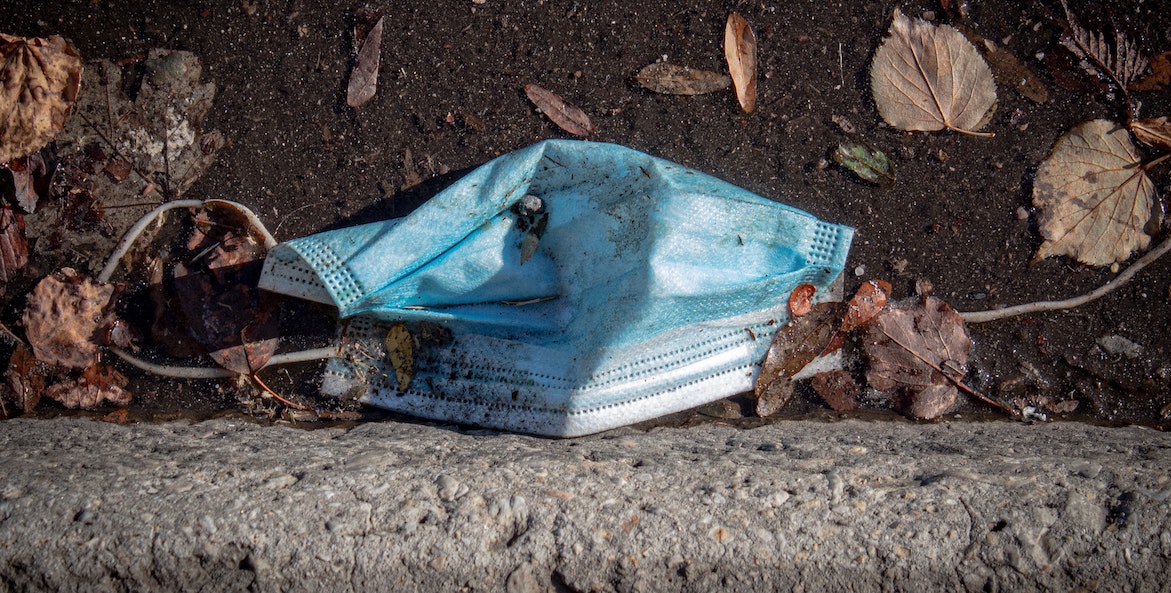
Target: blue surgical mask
point(563, 289)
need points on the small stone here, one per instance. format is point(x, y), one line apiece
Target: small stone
point(1021, 213)
point(1116, 345)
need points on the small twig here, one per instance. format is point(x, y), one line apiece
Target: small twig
point(1123, 278)
point(291, 404)
point(957, 382)
point(8, 336)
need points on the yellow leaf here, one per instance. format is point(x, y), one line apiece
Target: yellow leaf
point(39, 80)
point(926, 78)
point(400, 348)
point(1094, 196)
point(740, 51)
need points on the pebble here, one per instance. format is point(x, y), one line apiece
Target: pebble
point(1116, 345)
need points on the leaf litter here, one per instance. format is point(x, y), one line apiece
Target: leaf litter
point(363, 81)
point(867, 162)
point(67, 317)
point(672, 79)
point(927, 77)
point(740, 53)
point(567, 116)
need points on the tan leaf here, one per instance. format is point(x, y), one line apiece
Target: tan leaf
point(40, 78)
point(364, 77)
point(66, 318)
point(926, 77)
point(1153, 131)
point(1012, 72)
point(740, 52)
point(670, 79)
point(1094, 197)
point(909, 348)
point(567, 117)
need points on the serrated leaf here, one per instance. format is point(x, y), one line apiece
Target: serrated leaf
point(740, 53)
point(671, 79)
point(926, 77)
point(1094, 197)
point(1121, 60)
point(866, 162)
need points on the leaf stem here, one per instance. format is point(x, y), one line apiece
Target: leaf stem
point(1037, 307)
point(971, 133)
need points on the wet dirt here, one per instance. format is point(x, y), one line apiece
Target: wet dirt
point(451, 97)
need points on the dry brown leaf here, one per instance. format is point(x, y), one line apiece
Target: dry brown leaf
point(66, 319)
point(1159, 77)
point(364, 77)
point(1153, 131)
point(801, 299)
point(926, 77)
point(740, 52)
point(13, 244)
point(40, 78)
point(25, 378)
point(671, 79)
point(97, 384)
point(1093, 196)
point(225, 311)
point(906, 348)
point(400, 350)
point(867, 302)
point(1012, 72)
point(838, 389)
point(1121, 60)
point(567, 116)
point(794, 346)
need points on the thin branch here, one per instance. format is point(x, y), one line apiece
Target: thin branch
point(1123, 278)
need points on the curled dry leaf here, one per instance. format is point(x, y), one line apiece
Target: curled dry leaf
point(1153, 131)
point(41, 78)
point(869, 299)
point(13, 244)
point(927, 77)
point(567, 116)
point(838, 389)
point(801, 299)
point(740, 52)
point(794, 346)
point(66, 319)
point(97, 384)
point(670, 79)
point(364, 77)
point(918, 352)
point(866, 162)
point(1093, 196)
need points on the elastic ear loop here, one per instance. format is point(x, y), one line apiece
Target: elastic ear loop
point(182, 372)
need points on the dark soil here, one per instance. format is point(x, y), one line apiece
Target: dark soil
point(451, 97)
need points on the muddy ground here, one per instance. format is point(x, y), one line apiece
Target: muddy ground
point(451, 97)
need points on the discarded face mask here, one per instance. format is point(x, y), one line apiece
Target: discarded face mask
point(563, 289)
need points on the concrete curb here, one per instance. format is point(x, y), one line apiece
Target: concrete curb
point(227, 505)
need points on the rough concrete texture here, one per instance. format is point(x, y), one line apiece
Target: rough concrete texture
point(227, 505)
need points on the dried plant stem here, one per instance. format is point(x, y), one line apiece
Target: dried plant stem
point(1123, 278)
point(971, 133)
point(267, 389)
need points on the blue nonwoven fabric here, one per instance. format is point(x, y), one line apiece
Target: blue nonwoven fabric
point(576, 286)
